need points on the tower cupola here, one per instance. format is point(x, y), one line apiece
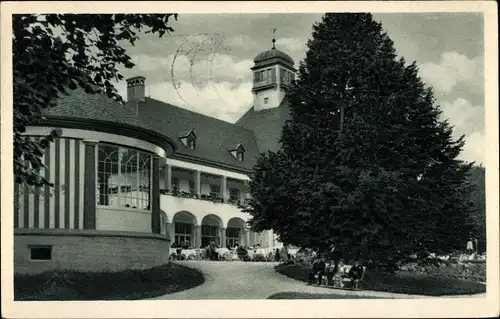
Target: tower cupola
point(273, 72)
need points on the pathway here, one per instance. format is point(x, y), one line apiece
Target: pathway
point(256, 280)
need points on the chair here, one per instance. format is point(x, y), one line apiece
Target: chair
point(356, 283)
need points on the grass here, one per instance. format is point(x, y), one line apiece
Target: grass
point(403, 282)
point(123, 285)
point(303, 295)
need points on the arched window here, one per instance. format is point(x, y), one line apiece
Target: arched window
point(123, 177)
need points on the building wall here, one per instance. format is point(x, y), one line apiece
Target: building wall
point(108, 218)
point(86, 250)
point(200, 208)
point(60, 206)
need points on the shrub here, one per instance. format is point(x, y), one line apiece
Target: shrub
point(123, 285)
point(258, 257)
point(403, 282)
point(242, 252)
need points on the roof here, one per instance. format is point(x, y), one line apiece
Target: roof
point(93, 106)
point(267, 125)
point(255, 131)
point(273, 54)
point(214, 136)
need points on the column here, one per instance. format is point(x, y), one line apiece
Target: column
point(155, 196)
point(197, 183)
point(90, 186)
point(223, 188)
point(171, 230)
point(197, 236)
point(247, 237)
point(222, 237)
point(168, 177)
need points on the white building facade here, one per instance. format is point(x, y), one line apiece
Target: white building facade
point(145, 176)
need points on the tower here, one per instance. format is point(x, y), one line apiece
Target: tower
point(273, 71)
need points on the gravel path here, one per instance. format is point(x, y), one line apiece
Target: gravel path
point(256, 280)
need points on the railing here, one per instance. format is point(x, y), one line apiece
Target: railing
point(206, 197)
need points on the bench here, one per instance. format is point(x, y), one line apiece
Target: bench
point(340, 278)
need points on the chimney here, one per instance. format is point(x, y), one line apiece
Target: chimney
point(136, 88)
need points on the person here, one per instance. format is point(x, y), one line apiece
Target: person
point(212, 252)
point(470, 246)
point(284, 254)
point(356, 272)
point(179, 249)
point(334, 257)
point(318, 268)
point(277, 254)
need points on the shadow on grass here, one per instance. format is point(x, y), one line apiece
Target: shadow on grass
point(123, 285)
point(403, 283)
point(303, 295)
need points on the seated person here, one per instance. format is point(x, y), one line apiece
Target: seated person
point(179, 248)
point(318, 268)
point(355, 272)
point(331, 270)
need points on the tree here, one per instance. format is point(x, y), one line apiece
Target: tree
point(478, 198)
point(365, 162)
point(54, 54)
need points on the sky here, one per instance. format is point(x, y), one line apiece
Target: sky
point(204, 65)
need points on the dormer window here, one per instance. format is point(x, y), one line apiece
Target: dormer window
point(188, 138)
point(238, 152)
point(192, 143)
point(240, 156)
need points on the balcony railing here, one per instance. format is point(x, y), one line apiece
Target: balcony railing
point(215, 199)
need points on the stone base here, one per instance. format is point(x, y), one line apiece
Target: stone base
point(89, 250)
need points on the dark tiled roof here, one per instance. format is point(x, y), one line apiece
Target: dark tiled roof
point(95, 107)
point(214, 136)
point(255, 131)
point(266, 125)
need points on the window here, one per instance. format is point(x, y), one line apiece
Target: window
point(175, 182)
point(192, 143)
point(269, 74)
point(232, 236)
point(192, 189)
point(183, 233)
point(124, 177)
point(266, 99)
point(234, 194)
point(286, 77)
point(209, 233)
point(240, 156)
point(40, 252)
point(261, 76)
point(215, 190)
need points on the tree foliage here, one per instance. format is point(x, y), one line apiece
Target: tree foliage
point(478, 198)
point(385, 183)
point(56, 53)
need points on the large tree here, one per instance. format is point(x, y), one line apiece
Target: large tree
point(366, 162)
point(56, 53)
point(478, 197)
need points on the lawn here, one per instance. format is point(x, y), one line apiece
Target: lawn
point(124, 285)
point(403, 282)
point(303, 295)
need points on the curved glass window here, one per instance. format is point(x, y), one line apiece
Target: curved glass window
point(123, 177)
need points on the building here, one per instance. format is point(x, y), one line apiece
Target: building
point(130, 180)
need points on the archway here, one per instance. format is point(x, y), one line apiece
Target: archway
point(234, 231)
point(184, 222)
point(210, 230)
